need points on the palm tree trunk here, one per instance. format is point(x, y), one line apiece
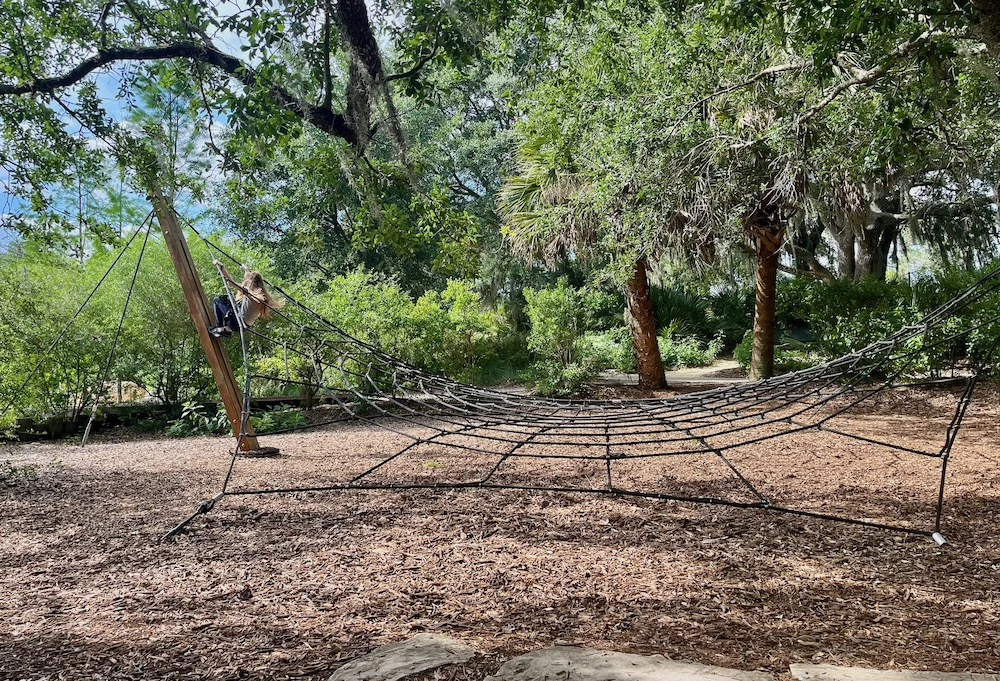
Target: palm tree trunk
point(639, 311)
point(989, 23)
point(767, 231)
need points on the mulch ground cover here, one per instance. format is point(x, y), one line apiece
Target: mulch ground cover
point(292, 586)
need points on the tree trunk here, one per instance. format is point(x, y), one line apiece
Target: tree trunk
point(766, 231)
point(639, 311)
point(833, 222)
point(843, 236)
point(874, 250)
point(806, 240)
point(969, 258)
point(989, 23)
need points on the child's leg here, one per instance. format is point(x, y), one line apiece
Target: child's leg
point(221, 308)
point(223, 317)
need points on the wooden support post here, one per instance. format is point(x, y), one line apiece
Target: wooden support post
point(222, 368)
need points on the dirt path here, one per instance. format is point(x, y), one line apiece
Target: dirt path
point(720, 372)
point(291, 586)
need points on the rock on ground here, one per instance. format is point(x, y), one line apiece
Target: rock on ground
point(829, 672)
point(567, 663)
point(400, 660)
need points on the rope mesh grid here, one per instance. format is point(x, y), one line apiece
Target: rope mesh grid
point(501, 440)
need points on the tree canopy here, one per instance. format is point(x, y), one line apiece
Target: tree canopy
point(618, 142)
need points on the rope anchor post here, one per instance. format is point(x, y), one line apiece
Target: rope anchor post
point(222, 368)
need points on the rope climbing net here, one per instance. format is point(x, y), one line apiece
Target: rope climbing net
point(500, 440)
point(491, 439)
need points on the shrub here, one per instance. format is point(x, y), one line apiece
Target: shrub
point(687, 351)
point(683, 311)
point(850, 332)
point(743, 353)
point(726, 314)
point(159, 349)
point(732, 314)
point(41, 293)
point(608, 350)
point(849, 315)
point(844, 315)
point(197, 420)
point(368, 306)
point(279, 418)
point(557, 321)
point(789, 355)
point(452, 333)
point(507, 364)
point(554, 379)
point(603, 310)
point(449, 332)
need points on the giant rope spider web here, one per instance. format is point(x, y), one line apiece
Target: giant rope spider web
point(489, 431)
point(506, 441)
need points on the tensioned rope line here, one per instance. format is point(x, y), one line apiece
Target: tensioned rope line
point(114, 345)
point(499, 439)
point(494, 432)
point(847, 358)
point(76, 315)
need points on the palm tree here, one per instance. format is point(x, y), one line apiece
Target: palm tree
point(543, 221)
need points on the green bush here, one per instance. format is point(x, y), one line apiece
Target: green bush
point(507, 364)
point(687, 351)
point(279, 418)
point(450, 332)
point(603, 310)
point(743, 353)
point(196, 419)
point(368, 306)
point(558, 319)
point(732, 314)
point(199, 419)
point(844, 315)
point(158, 350)
point(608, 350)
point(567, 355)
point(789, 355)
point(726, 314)
point(453, 334)
point(41, 293)
point(685, 312)
point(554, 379)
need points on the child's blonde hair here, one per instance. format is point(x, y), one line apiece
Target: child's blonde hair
point(253, 284)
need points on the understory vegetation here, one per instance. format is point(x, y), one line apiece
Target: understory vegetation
point(568, 333)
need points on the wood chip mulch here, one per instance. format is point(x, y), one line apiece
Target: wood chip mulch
point(292, 586)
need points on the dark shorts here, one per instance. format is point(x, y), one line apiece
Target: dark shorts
point(224, 315)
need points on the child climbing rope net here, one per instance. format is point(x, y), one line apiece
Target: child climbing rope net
point(252, 302)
